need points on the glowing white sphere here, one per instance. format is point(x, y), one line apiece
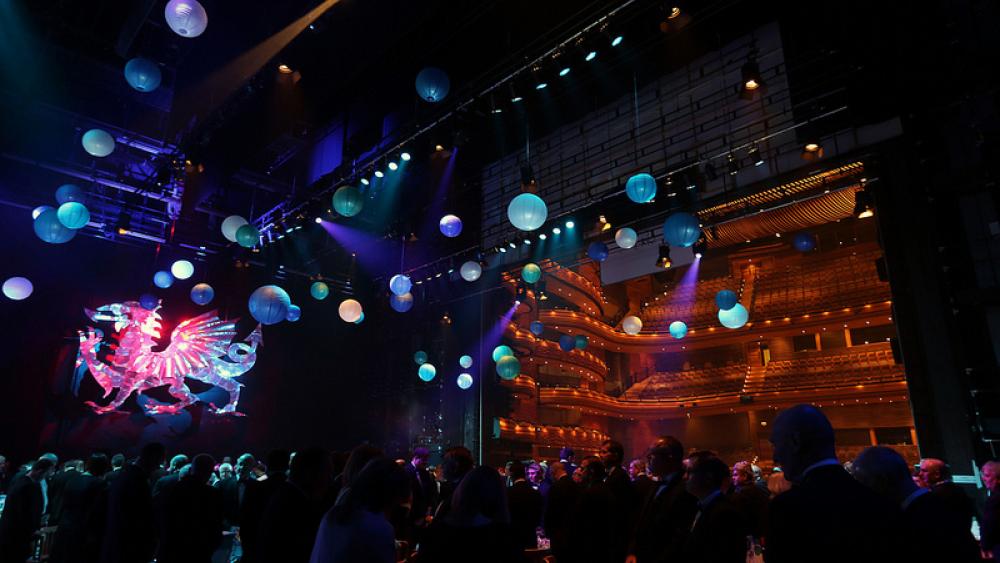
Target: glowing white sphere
point(464, 381)
point(182, 269)
point(465, 361)
point(17, 288)
point(626, 237)
point(527, 212)
point(349, 310)
point(632, 325)
point(735, 317)
point(98, 142)
point(187, 18)
point(471, 271)
point(400, 284)
point(230, 225)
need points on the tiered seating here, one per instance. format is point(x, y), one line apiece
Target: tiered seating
point(819, 283)
point(864, 365)
point(690, 383)
point(693, 305)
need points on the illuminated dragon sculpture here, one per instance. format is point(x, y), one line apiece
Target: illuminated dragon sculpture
point(200, 348)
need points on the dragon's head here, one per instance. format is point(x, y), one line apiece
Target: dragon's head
point(129, 314)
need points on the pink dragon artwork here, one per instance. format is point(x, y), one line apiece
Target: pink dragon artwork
point(201, 348)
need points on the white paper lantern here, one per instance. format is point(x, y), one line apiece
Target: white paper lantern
point(632, 325)
point(626, 237)
point(187, 18)
point(230, 225)
point(182, 269)
point(349, 310)
point(471, 271)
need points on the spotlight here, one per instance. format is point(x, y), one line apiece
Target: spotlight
point(503, 250)
point(590, 56)
point(284, 69)
point(863, 207)
point(564, 71)
point(701, 247)
point(393, 166)
point(512, 245)
point(495, 111)
point(570, 224)
point(733, 164)
point(319, 220)
point(751, 84)
point(379, 174)
point(541, 85)
point(516, 99)
point(540, 291)
point(556, 230)
point(674, 19)
point(543, 236)
point(438, 148)
point(664, 261)
point(754, 154)
point(812, 150)
point(527, 242)
point(405, 156)
point(690, 180)
point(617, 40)
point(605, 225)
point(365, 182)
point(538, 75)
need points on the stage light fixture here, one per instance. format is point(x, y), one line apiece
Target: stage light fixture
point(364, 181)
point(663, 260)
point(570, 224)
point(751, 83)
point(564, 71)
point(556, 230)
point(590, 56)
point(541, 85)
point(438, 148)
point(690, 180)
point(543, 236)
point(812, 150)
point(405, 156)
point(700, 248)
point(617, 40)
point(379, 174)
point(527, 242)
point(284, 69)
point(863, 207)
point(512, 245)
point(319, 220)
point(755, 156)
point(393, 166)
point(503, 250)
point(604, 224)
point(733, 164)
point(540, 292)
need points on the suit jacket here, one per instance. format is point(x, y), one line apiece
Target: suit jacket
point(664, 521)
point(830, 517)
point(80, 525)
point(424, 492)
point(189, 518)
point(621, 517)
point(164, 482)
point(751, 501)
point(22, 515)
point(255, 500)
point(288, 527)
point(718, 535)
point(559, 507)
point(589, 540)
point(525, 504)
point(130, 532)
point(955, 500)
point(933, 533)
point(989, 529)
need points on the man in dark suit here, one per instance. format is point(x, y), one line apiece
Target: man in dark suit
point(79, 527)
point(623, 512)
point(22, 513)
point(130, 532)
point(827, 516)
point(424, 492)
point(936, 476)
point(749, 498)
point(589, 540)
point(566, 456)
point(560, 503)
point(189, 516)
point(719, 532)
point(177, 463)
point(640, 479)
point(668, 509)
point(258, 494)
point(990, 525)
point(287, 529)
point(932, 531)
point(525, 505)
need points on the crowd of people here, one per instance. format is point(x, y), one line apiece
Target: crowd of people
point(315, 506)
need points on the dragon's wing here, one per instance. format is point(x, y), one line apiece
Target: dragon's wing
point(193, 344)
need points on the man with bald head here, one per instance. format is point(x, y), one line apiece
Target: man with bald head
point(827, 516)
point(934, 474)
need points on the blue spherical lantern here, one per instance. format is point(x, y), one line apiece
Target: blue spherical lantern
point(401, 303)
point(420, 357)
point(432, 84)
point(536, 328)
point(202, 294)
point(73, 215)
point(641, 188)
point(98, 142)
point(182, 269)
point(319, 290)
point(294, 313)
point(148, 301)
point(48, 228)
point(464, 381)
point(163, 279)
point(470, 271)
point(465, 361)
point(426, 372)
point(678, 329)
point(735, 317)
point(681, 229)
point(531, 273)
point(626, 237)
point(567, 343)
point(804, 242)
point(527, 212)
point(17, 288)
point(508, 367)
point(348, 201)
point(247, 236)
point(725, 299)
point(598, 251)
point(69, 192)
point(450, 225)
point(400, 284)
point(142, 74)
point(502, 351)
point(269, 304)
point(581, 342)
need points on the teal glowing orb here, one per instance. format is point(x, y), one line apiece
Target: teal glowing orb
point(641, 188)
point(420, 357)
point(527, 212)
point(202, 294)
point(163, 279)
point(502, 351)
point(426, 372)
point(98, 142)
point(69, 192)
point(269, 304)
point(735, 317)
point(143, 74)
point(319, 290)
point(581, 342)
point(348, 201)
point(247, 236)
point(464, 381)
point(678, 329)
point(508, 367)
point(725, 299)
point(73, 215)
point(531, 273)
point(465, 361)
point(681, 229)
point(48, 228)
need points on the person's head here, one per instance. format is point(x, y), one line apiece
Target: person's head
point(743, 475)
point(480, 495)
point(177, 462)
point(664, 456)
point(534, 473)
point(381, 485)
point(41, 469)
point(151, 456)
point(932, 471)
point(311, 471)
point(636, 468)
point(592, 470)
point(97, 465)
point(73, 465)
point(201, 468)
point(244, 464)
point(359, 458)
point(801, 436)
point(277, 461)
point(884, 471)
point(612, 453)
point(706, 475)
point(420, 457)
point(515, 471)
point(566, 454)
point(990, 474)
point(53, 458)
point(117, 462)
point(225, 471)
point(557, 470)
point(456, 463)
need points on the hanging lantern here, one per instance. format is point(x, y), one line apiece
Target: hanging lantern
point(465, 361)
point(527, 212)
point(450, 226)
point(420, 357)
point(567, 343)
point(401, 303)
point(598, 251)
point(98, 142)
point(531, 272)
point(502, 351)
point(725, 299)
point(163, 279)
point(247, 236)
point(400, 284)
point(186, 18)
point(73, 215)
point(681, 229)
point(464, 381)
point(348, 201)
point(142, 74)
point(426, 372)
point(735, 317)
point(508, 367)
point(230, 225)
point(349, 310)
point(17, 288)
point(319, 290)
point(148, 301)
point(202, 294)
point(471, 271)
point(631, 325)
point(48, 228)
point(678, 329)
point(536, 328)
point(69, 192)
point(804, 242)
point(641, 188)
point(269, 304)
point(626, 237)
point(182, 269)
point(294, 313)
point(581, 342)
point(432, 84)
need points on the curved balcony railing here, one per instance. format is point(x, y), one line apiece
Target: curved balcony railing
point(576, 286)
point(545, 352)
point(521, 384)
point(574, 436)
